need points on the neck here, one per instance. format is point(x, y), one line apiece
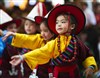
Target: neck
point(66, 34)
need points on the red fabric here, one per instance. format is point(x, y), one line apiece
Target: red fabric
point(98, 18)
point(16, 21)
point(39, 19)
point(0, 61)
point(69, 69)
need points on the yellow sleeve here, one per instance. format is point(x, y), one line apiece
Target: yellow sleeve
point(40, 56)
point(44, 54)
point(27, 41)
point(90, 61)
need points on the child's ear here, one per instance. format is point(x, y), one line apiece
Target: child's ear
point(73, 26)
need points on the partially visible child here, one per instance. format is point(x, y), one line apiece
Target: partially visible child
point(66, 51)
point(44, 71)
point(6, 50)
point(7, 23)
point(30, 27)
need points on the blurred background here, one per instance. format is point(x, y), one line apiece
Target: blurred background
point(23, 7)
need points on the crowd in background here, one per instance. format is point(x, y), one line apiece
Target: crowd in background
point(90, 34)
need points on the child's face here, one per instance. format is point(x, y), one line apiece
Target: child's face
point(45, 33)
point(62, 25)
point(12, 27)
point(30, 27)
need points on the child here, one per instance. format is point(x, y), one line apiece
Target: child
point(8, 24)
point(30, 27)
point(43, 71)
point(66, 51)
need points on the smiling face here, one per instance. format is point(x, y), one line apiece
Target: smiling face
point(45, 32)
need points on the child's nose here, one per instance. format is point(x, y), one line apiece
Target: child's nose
point(59, 23)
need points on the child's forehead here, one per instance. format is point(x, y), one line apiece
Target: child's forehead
point(63, 17)
point(62, 14)
point(29, 21)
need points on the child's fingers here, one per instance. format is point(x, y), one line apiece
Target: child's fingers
point(12, 62)
point(15, 56)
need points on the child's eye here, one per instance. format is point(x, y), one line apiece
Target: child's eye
point(63, 21)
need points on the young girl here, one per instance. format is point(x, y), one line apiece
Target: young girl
point(66, 51)
point(43, 71)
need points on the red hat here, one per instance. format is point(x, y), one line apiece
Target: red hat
point(39, 19)
point(72, 10)
point(5, 19)
point(16, 21)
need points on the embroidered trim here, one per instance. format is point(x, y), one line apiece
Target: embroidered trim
point(68, 55)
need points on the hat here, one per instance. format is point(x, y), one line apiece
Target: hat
point(6, 19)
point(39, 19)
point(73, 10)
point(38, 10)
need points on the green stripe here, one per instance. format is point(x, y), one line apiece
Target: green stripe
point(68, 53)
point(71, 45)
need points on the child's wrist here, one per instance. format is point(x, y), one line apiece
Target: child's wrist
point(92, 67)
point(21, 58)
point(13, 33)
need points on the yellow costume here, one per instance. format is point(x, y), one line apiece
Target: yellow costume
point(44, 54)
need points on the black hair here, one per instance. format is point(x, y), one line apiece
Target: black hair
point(8, 24)
point(44, 21)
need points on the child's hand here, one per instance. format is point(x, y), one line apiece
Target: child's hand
point(1, 32)
point(7, 35)
point(88, 73)
point(17, 59)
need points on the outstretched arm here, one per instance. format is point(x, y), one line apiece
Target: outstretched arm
point(35, 57)
point(17, 59)
point(24, 40)
point(8, 34)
